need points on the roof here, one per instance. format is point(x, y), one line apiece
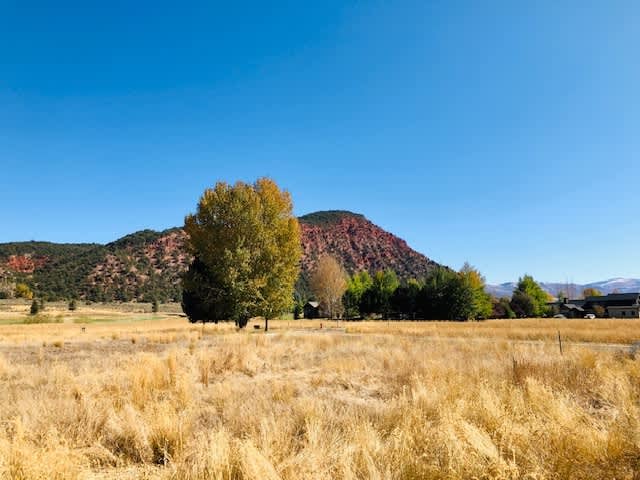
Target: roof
point(313, 304)
point(577, 302)
point(615, 296)
point(571, 306)
point(613, 299)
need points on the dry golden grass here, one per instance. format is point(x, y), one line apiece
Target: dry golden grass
point(599, 330)
point(17, 311)
point(167, 400)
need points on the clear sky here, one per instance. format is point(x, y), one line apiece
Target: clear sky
point(504, 133)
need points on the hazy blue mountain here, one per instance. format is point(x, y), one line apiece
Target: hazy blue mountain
point(619, 285)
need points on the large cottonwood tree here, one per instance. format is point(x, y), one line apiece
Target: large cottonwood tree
point(245, 242)
point(328, 284)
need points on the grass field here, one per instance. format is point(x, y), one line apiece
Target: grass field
point(138, 395)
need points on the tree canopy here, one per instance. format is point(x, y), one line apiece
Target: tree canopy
point(591, 292)
point(356, 286)
point(443, 295)
point(377, 298)
point(328, 283)
point(482, 305)
point(529, 299)
point(245, 242)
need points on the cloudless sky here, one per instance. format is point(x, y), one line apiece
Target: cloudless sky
point(499, 132)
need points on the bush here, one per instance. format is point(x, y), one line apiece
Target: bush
point(23, 291)
point(154, 306)
point(72, 305)
point(35, 307)
point(38, 318)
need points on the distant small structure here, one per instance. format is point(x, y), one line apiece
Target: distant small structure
point(617, 305)
point(613, 305)
point(311, 310)
point(571, 310)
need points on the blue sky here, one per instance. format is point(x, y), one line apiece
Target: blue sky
point(503, 133)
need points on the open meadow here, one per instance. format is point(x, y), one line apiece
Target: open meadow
point(116, 392)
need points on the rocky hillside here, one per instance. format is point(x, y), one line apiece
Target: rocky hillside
point(148, 264)
point(359, 244)
point(140, 266)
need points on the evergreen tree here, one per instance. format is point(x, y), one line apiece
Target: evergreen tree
point(297, 310)
point(35, 307)
point(404, 300)
point(447, 295)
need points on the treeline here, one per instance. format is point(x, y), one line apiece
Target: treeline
point(443, 295)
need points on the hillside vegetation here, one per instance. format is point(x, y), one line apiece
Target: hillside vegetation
point(147, 265)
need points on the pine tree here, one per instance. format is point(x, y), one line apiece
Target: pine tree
point(35, 307)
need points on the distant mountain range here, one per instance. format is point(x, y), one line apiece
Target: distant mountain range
point(148, 264)
point(613, 285)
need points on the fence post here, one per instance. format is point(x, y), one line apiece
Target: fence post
point(560, 342)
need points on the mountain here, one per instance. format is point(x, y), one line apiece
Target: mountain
point(613, 285)
point(148, 264)
point(502, 289)
point(620, 285)
point(359, 245)
point(142, 265)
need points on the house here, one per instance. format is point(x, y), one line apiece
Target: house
point(615, 305)
point(571, 310)
point(311, 310)
point(568, 308)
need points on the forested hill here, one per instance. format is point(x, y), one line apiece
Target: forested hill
point(122, 270)
point(148, 264)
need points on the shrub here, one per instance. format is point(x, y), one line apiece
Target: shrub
point(23, 291)
point(35, 307)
